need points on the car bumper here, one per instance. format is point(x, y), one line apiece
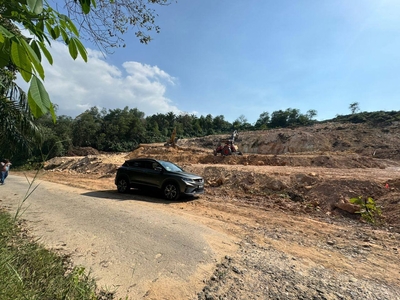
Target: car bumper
point(191, 191)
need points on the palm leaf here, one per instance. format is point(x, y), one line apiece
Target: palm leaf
point(18, 133)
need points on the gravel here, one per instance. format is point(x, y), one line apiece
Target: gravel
point(263, 272)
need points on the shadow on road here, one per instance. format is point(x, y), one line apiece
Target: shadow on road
point(137, 195)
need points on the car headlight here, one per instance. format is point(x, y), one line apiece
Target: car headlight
point(189, 180)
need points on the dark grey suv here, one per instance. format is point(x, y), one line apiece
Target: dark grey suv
point(158, 174)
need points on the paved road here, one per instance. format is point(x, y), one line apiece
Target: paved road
point(129, 242)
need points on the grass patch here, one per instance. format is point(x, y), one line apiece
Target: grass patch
point(28, 271)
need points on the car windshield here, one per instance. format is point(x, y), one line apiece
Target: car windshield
point(170, 166)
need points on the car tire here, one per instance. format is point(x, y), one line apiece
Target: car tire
point(123, 185)
point(171, 191)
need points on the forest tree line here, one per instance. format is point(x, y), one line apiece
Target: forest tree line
point(121, 130)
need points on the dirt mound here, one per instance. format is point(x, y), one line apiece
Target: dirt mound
point(101, 164)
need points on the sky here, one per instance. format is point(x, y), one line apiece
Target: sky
point(243, 58)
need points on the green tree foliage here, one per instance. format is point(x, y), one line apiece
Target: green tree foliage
point(369, 211)
point(289, 118)
point(26, 54)
point(207, 124)
point(279, 119)
point(85, 128)
point(56, 138)
point(354, 107)
point(262, 121)
point(241, 123)
point(376, 118)
point(102, 22)
point(18, 133)
point(311, 113)
point(220, 125)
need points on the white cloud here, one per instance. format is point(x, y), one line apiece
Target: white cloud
point(76, 86)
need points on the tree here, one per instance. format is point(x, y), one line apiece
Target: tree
point(241, 123)
point(354, 107)
point(220, 125)
point(293, 116)
point(25, 53)
point(86, 128)
point(279, 118)
point(56, 138)
point(109, 20)
point(262, 121)
point(206, 124)
point(311, 113)
point(17, 130)
point(46, 24)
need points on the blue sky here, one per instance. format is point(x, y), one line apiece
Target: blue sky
point(236, 58)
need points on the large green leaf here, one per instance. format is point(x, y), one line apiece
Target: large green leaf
point(21, 60)
point(73, 51)
point(81, 48)
point(67, 23)
point(4, 59)
point(46, 52)
point(5, 53)
point(4, 33)
point(85, 4)
point(35, 48)
point(56, 31)
point(38, 99)
point(64, 35)
point(33, 57)
point(40, 27)
point(50, 30)
point(36, 6)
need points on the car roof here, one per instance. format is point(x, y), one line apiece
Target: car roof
point(144, 159)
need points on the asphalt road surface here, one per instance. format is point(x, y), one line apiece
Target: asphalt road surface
point(130, 243)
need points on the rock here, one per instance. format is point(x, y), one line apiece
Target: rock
point(347, 206)
point(295, 197)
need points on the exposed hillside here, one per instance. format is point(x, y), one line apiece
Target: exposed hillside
point(364, 139)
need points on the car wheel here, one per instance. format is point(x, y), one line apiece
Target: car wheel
point(171, 191)
point(123, 185)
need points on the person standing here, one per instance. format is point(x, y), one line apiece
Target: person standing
point(5, 167)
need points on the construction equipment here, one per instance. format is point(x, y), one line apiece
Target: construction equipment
point(227, 147)
point(172, 140)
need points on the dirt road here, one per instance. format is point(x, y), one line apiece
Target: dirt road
point(131, 245)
